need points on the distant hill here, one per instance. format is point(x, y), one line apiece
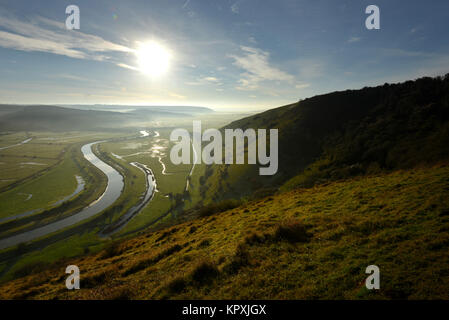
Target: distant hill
point(341, 134)
point(168, 110)
point(55, 118)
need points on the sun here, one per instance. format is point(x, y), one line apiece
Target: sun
point(153, 59)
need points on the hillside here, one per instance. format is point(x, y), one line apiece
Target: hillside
point(310, 243)
point(344, 134)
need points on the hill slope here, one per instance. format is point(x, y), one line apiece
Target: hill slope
point(343, 134)
point(308, 243)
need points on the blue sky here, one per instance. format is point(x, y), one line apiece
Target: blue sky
point(247, 54)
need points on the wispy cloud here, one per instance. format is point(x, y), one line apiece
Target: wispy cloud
point(252, 40)
point(406, 53)
point(302, 85)
point(257, 68)
point(185, 4)
point(211, 79)
point(235, 8)
point(354, 39)
point(45, 35)
point(205, 81)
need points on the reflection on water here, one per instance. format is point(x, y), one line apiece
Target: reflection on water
point(78, 189)
point(149, 193)
point(112, 192)
point(17, 144)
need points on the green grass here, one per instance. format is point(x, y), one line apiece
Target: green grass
point(173, 182)
point(303, 244)
point(51, 184)
point(45, 190)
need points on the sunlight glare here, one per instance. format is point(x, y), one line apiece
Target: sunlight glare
point(152, 58)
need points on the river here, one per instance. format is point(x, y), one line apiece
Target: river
point(110, 195)
point(147, 197)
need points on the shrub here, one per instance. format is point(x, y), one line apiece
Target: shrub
point(204, 243)
point(176, 285)
point(111, 250)
point(93, 280)
point(264, 192)
point(254, 238)
point(292, 231)
point(192, 229)
point(167, 252)
point(204, 271)
point(30, 268)
point(238, 260)
point(218, 207)
point(143, 264)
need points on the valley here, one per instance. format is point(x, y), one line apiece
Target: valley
point(360, 182)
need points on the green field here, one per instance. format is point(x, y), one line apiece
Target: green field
point(42, 171)
point(54, 182)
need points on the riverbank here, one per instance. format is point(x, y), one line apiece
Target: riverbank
point(113, 190)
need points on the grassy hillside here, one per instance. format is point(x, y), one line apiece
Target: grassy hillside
point(312, 243)
point(343, 134)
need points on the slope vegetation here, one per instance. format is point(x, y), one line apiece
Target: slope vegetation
point(310, 243)
point(344, 134)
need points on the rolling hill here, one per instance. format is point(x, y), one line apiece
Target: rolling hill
point(344, 134)
point(312, 243)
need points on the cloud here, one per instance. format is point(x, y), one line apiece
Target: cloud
point(252, 40)
point(205, 81)
point(406, 53)
point(302, 85)
point(185, 4)
point(235, 8)
point(69, 77)
point(123, 65)
point(176, 95)
point(354, 39)
point(211, 79)
point(45, 35)
point(257, 68)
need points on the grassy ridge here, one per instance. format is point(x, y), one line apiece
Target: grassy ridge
point(306, 243)
point(348, 133)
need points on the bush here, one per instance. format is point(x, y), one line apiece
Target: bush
point(204, 271)
point(292, 231)
point(176, 285)
point(239, 260)
point(218, 207)
point(204, 243)
point(94, 280)
point(30, 268)
point(255, 238)
point(143, 264)
point(111, 250)
point(264, 192)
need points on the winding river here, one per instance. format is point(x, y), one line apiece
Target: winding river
point(110, 195)
point(147, 196)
